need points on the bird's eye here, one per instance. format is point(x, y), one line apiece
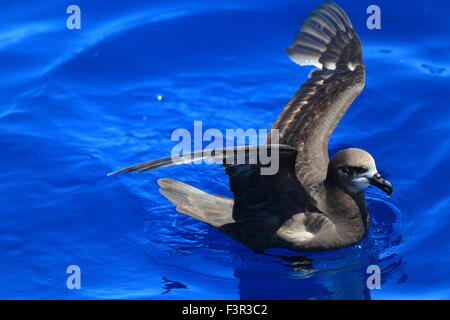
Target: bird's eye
point(346, 169)
point(351, 171)
point(360, 170)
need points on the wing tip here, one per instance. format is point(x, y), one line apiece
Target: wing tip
point(114, 172)
point(323, 37)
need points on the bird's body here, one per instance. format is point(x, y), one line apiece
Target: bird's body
point(310, 203)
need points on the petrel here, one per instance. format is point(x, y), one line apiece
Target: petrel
point(312, 203)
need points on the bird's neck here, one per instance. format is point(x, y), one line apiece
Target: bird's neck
point(347, 210)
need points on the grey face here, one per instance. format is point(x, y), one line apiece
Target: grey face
point(360, 178)
point(356, 169)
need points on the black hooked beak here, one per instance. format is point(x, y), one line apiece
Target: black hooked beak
point(379, 182)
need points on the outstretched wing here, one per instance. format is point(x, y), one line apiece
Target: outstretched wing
point(222, 155)
point(326, 40)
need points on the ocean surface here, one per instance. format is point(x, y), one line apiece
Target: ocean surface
point(77, 104)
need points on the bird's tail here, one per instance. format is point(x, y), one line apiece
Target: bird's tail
point(212, 209)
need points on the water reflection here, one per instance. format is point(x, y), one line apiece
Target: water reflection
point(285, 274)
point(340, 274)
point(304, 281)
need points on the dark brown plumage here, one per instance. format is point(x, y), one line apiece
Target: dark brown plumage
point(310, 203)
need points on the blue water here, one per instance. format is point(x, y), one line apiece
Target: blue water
point(76, 104)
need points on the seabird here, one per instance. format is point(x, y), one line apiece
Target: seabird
point(312, 203)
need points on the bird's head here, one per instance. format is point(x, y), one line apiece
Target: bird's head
point(354, 170)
